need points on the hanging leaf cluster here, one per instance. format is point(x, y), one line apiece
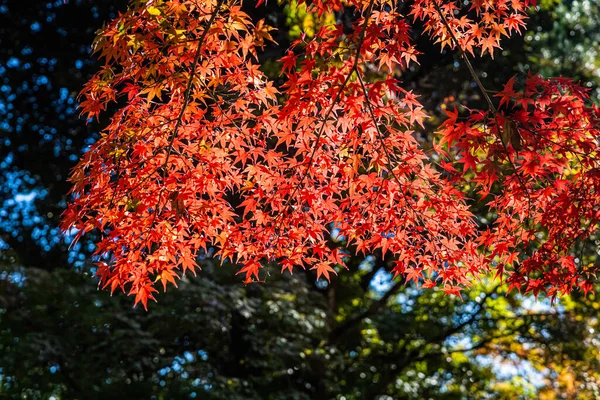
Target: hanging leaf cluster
point(206, 152)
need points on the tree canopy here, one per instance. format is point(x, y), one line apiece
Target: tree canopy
point(206, 151)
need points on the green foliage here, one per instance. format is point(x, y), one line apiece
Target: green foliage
point(571, 43)
point(301, 22)
point(289, 338)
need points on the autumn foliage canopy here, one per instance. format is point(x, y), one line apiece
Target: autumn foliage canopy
point(206, 152)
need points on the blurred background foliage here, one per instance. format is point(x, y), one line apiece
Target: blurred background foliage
point(363, 336)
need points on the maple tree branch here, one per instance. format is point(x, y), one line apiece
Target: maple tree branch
point(186, 101)
point(562, 146)
point(337, 97)
point(188, 89)
point(465, 58)
point(418, 216)
point(488, 99)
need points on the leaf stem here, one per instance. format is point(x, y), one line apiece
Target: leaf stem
point(465, 58)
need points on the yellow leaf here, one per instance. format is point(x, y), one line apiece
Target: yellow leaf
point(153, 10)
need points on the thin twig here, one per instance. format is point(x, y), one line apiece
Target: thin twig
point(330, 109)
point(486, 95)
point(186, 101)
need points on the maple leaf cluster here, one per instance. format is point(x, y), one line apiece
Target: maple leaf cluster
point(541, 151)
point(207, 152)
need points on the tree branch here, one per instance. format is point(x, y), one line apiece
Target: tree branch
point(350, 322)
point(465, 58)
point(457, 328)
point(338, 95)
